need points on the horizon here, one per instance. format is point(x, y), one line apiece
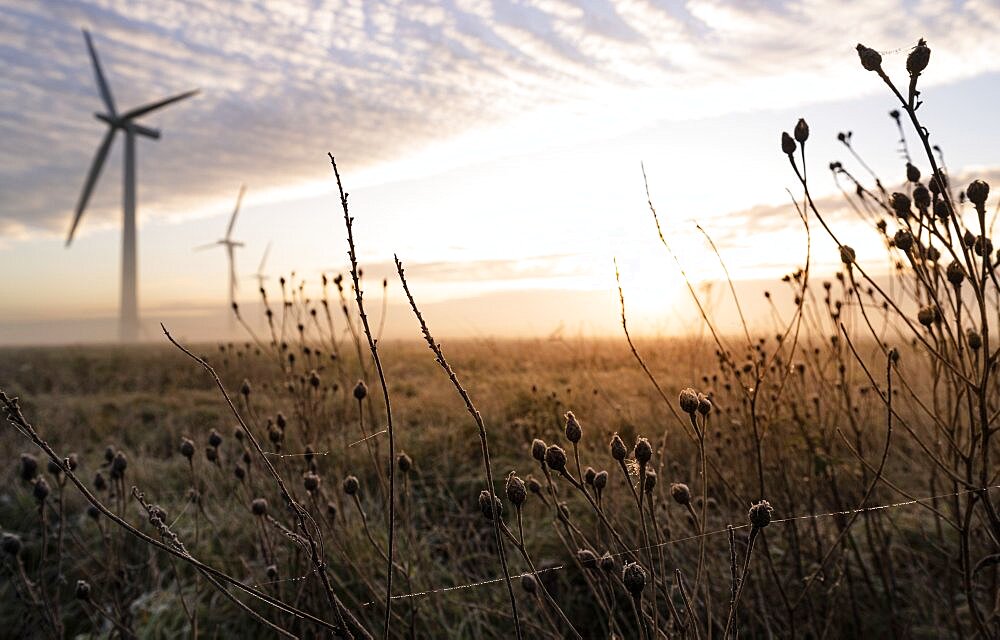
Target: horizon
point(527, 198)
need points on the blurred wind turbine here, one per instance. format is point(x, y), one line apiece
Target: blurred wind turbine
point(128, 321)
point(230, 245)
point(260, 275)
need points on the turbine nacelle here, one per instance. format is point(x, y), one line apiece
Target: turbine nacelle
point(117, 123)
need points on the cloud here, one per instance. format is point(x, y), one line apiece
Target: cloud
point(283, 82)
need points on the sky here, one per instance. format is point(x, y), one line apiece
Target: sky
point(495, 146)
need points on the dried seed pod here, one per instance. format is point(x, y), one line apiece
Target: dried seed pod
point(680, 493)
point(239, 472)
point(214, 438)
point(801, 131)
point(955, 273)
point(587, 558)
point(787, 143)
point(917, 61)
point(688, 400)
point(272, 572)
point(118, 465)
point(245, 388)
point(516, 491)
point(760, 515)
point(900, 204)
point(28, 467)
point(331, 510)
point(360, 390)
point(488, 510)
point(921, 197)
point(601, 480)
point(404, 463)
point(538, 449)
point(642, 452)
point(53, 467)
point(212, 454)
point(351, 485)
point(311, 482)
point(847, 254)
point(618, 450)
point(974, 339)
point(573, 429)
point(10, 544)
point(607, 562)
point(40, 489)
point(99, 482)
point(929, 315)
point(704, 404)
point(912, 173)
point(555, 457)
point(634, 577)
point(259, 506)
point(534, 486)
point(903, 240)
point(82, 590)
point(977, 192)
point(529, 584)
point(588, 475)
point(187, 448)
point(649, 483)
point(871, 59)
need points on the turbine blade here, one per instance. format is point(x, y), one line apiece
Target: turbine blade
point(92, 175)
point(263, 260)
point(207, 246)
point(233, 282)
point(102, 84)
point(232, 219)
point(153, 106)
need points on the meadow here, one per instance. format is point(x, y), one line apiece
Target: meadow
point(828, 476)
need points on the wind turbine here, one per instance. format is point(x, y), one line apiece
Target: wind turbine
point(128, 320)
point(260, 275)
point(230, 245)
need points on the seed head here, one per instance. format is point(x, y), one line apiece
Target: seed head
point(760, 515)
point(955, 273)
point(801, 131)
point(259, 506)
point(29, 467)
point(912, 173)
point(212, 454)
point(187, 448)
point(847, 255)
point(245, 388)
point(360, 390)
point(917, 61)
point(601, 480)
point(351, 485)
point(99, 482)
point(54, 468)
point(688, 400)
point(311, 482)
point(272, 572)
point(928, 315)
point(555, 457)
point(587, 558)
point(680, 493)
point(977, 192)
point(974, 339)
point(618, 450)
point(331, 510)
point(109, 454)
point(118, 465)
point(573, 429)
point(941, 211)
point(650, 481)
point(485, 506)
point(516, 491)
point(634, 577)
point(903, 240)
point(93, 512)
point(214, 438)
point(534, 486)
point(404, 462)
point(588, 475)
point(921, 197)
point(82, 590)
point(40, 489)
point(239, 472)
point(871, 59)
point(643, 451)
point(538, 449)
point(787, 143)
point(10, 544)
point(900, 203)
point(704, 404)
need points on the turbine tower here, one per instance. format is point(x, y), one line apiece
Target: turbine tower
point(128, 320)
point(230, 245)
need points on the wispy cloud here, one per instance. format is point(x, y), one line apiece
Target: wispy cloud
point(285, 81)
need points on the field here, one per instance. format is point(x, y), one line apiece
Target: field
point(830, 476)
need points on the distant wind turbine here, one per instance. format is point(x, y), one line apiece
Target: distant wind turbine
point(128, 322)
point(260, 275)
point(230, 245)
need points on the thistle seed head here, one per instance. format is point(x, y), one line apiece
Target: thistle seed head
point(534, 486)
point(974, 339)
point(516, 491)
point(760, 515)
point(488, 510)
point(404, 462)
point(977, 192)
point(688, 400)
point(900, 203)
point(680, 493)
point(642, 452)
point(40, 489)
point(787, 143)
point(847, 254)
point(634, 577)
point(10, 544)
point(555, 457)
point(649, 483)
point(259, 506)
point(704, 404)
point(588, 475)
point(955, 273)
point(871, 59)
point(917, 61)
point(360, 390)
point(28, 467)
point(618, 450)
point(912, 173)
point(607, 562)
point(538, 449)
point(82, 590)
point(801, 131)
point(214, 438)
point(903, 240)
point(573, 429)
point(187, 448)
point(601, 480)
point(529, 584)
point(587, 558)
point(351, 485)
point(311, 482)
